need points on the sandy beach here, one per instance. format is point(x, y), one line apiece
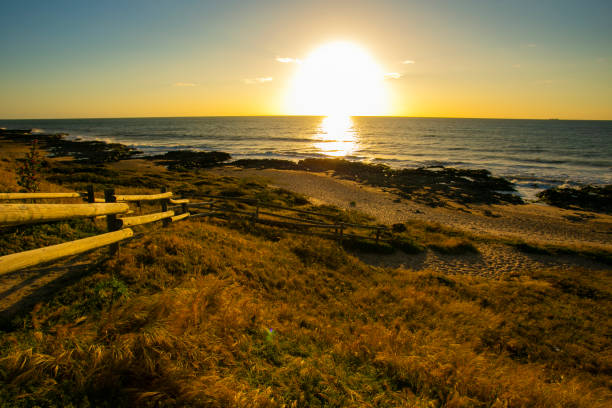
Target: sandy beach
point(529, 222)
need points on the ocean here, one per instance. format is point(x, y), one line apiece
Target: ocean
point(534, 154)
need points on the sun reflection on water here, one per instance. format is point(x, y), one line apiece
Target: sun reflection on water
point(336, 136)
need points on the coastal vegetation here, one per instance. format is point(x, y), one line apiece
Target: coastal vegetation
point(200, 314)
point(226, 313)
point(433, 186)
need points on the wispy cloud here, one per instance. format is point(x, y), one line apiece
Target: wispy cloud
point(185, 84)
point(393, 75)
point(260, 80)
point(407, 62)
point(287, 60)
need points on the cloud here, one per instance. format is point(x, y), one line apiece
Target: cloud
point(287, 60)
point(185, 84)
point(393, 75)
point(408, 62)
point(260, 80)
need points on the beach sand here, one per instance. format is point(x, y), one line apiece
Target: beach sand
point(529, 222)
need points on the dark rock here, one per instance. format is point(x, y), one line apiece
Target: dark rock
point(590, 198)
point(188, 159)
point(81, 150)
point(398, 227)
point(427, 185)
point(265, 164)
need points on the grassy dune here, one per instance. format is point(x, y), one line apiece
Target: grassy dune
point(204, 315)
point(224, 314)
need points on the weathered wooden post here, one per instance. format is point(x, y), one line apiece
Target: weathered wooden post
point(256, 214)
point(211, 207)
point(377, 234)
point(91, 198)
point(341, 232)
point(164, 208)
point(139, 205)
point(90, 194)
point(183, 208)
point(111, 219)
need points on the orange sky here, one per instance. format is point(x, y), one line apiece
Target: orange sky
point(439, 59)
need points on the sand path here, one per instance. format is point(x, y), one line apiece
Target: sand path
point(529, 222)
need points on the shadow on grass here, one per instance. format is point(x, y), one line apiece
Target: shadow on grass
point(69, 272)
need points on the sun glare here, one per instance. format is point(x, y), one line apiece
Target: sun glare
point(338, 79)
point(336, 136)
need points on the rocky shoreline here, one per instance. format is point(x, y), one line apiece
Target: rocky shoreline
point(433, 186)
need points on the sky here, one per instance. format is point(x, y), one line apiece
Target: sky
point(499, 59)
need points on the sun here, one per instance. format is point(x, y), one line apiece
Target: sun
point(338, 79)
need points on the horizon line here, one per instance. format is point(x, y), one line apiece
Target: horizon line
point(303, 116)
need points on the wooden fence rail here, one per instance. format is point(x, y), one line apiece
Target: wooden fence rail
point(17, 214)
point(142, 197)
point(25, 196)
point(337, 230)
point(180, 201)
point(255, 202)
point(20, 260)
point(179, 217)
point(143, 219)
point(286, 217)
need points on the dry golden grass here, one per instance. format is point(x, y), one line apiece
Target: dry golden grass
point(184, 317)
point(205, 315)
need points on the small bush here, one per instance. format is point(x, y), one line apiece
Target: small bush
point(454, 245)
point(28, 171)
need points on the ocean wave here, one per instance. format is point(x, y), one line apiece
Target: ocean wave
point(511, 148)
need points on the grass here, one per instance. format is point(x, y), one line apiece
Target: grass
point(416, 236)
point(183, 317)
point(590, 252)
point(234, 314)
point(23, 238)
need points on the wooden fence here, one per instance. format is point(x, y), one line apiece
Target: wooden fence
point(114, 207)
point(111, 207)
point(337, 229)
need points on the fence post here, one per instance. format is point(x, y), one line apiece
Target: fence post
point(90, 194)
point(183, 208)
point(341, 232)
point(211, 207)
point(377, 234)
point(164, 207)
point(91, 198)
point(111, 219)
point(256, 214)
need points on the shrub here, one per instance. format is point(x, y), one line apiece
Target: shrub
point(28, 172)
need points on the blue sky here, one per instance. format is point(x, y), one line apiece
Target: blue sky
point(471, 58)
